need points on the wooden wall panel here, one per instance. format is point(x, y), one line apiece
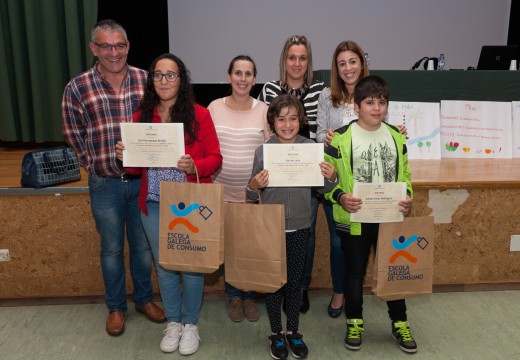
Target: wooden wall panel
point(54, 244)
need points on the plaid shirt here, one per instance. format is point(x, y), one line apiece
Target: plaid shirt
point(92, 111)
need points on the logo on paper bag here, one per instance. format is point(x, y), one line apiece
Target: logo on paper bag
point(180, 227)
point(402, 245)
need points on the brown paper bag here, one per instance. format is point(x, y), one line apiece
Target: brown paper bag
point(191, 226)
point(255, 246)
point(404, 259)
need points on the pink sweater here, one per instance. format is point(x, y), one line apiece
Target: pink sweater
point(239, 134)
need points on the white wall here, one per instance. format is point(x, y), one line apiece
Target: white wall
point(207, 34)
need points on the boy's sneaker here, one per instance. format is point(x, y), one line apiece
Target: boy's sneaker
point(278, 347)
point(297, 346)
point(172, 335)
point(402, 334)
point(354, 333)
point(189, 340)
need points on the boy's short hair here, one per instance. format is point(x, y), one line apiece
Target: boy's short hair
point(285, 101)
point(371, 86)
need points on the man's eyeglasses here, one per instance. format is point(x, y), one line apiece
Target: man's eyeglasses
point(108, 47)
point(171, 76)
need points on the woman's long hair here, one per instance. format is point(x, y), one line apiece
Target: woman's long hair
point(183, 110)
point(338, 90)
point(296, 40)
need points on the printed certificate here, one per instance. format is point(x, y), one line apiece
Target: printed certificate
point(293, 164)
point(380, 202)
point(152, 145)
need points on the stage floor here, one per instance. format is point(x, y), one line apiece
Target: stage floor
point(11, 169)
point(444, 173)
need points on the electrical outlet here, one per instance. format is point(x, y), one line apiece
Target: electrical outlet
point(515, 243)
point(4, 255)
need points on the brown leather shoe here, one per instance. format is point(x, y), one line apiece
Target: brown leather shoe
point(115, 323)
point(152, 312)
point(236, 310)
point(250, 310)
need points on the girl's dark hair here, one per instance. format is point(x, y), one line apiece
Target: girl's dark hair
point(285, 101)
point(183, 110)
point(241, 57)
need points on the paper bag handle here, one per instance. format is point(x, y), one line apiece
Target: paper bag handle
point(196, 172)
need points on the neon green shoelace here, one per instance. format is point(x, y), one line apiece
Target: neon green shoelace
point(404, 331)
point(355, 332)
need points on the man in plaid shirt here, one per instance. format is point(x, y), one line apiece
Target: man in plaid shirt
point(94, 103)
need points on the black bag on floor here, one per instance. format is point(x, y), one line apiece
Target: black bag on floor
point(51, 166)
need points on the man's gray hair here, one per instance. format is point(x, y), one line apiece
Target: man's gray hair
point(107, 25)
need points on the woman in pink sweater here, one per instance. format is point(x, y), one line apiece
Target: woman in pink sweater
point(241, 125)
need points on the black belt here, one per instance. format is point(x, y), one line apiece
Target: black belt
point(123, 177)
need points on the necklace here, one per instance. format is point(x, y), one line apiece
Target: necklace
point(350, 113)
point(230, 101)
point(296, 92)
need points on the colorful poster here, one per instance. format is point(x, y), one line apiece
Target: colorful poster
point(476, 129)
point(422, 121)
point(516, 129)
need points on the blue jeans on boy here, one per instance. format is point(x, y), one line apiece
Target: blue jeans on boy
point(114, 205)
point(179, 306)
point(336, 252)
point(234, 293)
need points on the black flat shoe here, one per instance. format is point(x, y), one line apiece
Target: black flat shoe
point(304, 306)
point(334, 313)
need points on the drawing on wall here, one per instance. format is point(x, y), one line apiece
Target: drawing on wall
point(476, 129)
point(422, 121)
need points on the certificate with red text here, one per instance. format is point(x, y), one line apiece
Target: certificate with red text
point(152, 145)
point(380, 202)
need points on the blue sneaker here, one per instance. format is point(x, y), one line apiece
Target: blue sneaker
point(298, 348)
point(278, 347)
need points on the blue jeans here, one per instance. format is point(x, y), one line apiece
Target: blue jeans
point(336, 252)
point(114, 205)
point(235, 293)
point(179, 306)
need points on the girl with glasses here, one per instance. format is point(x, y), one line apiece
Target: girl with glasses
point(168, 97)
